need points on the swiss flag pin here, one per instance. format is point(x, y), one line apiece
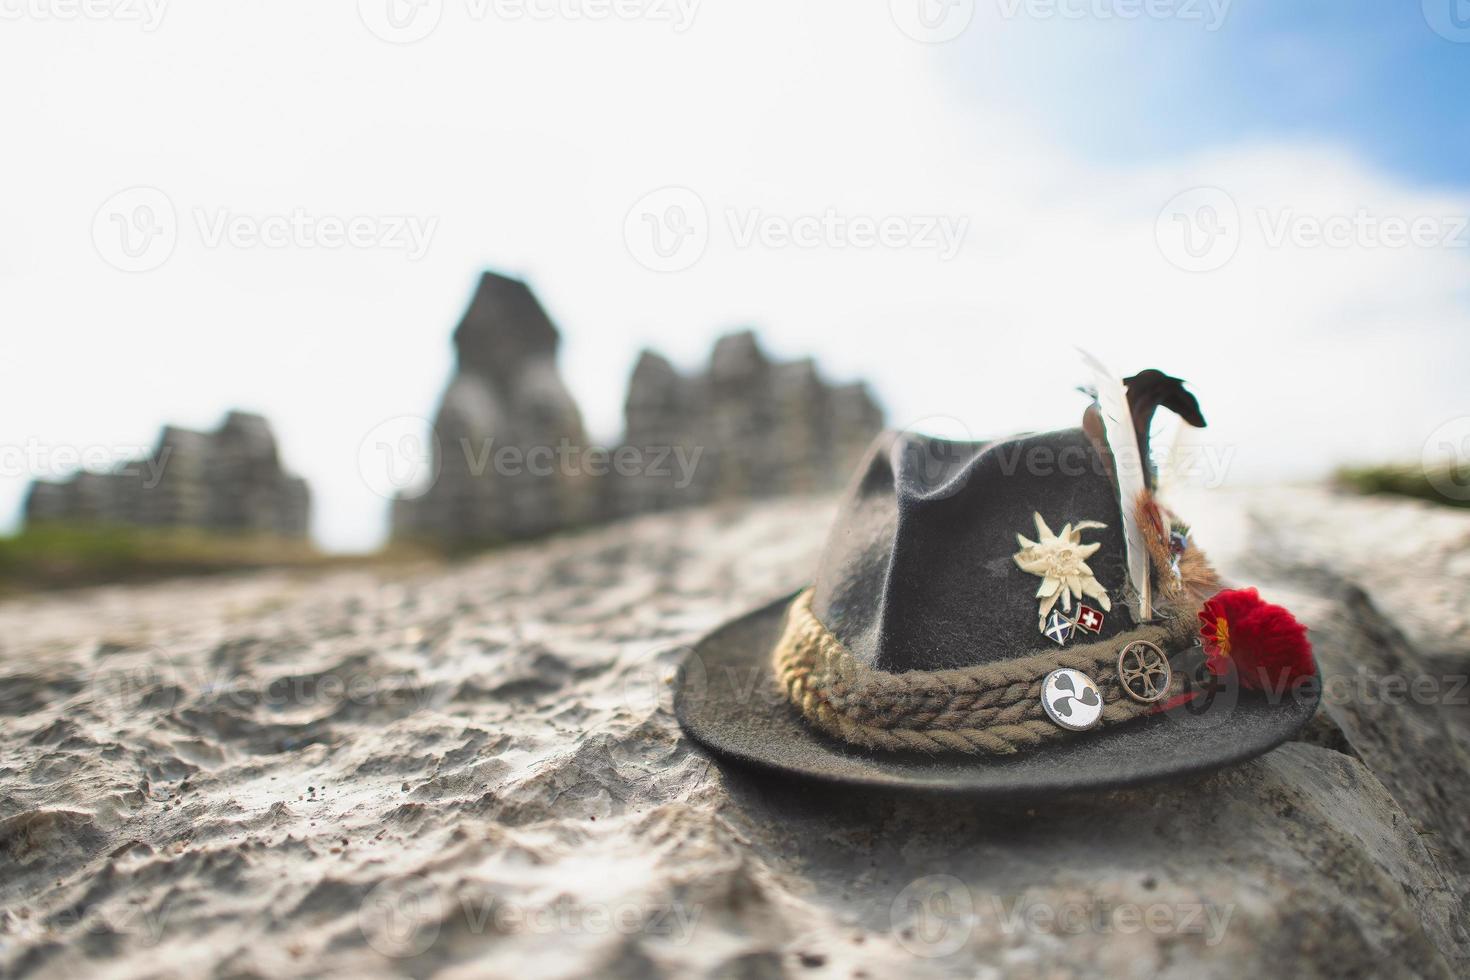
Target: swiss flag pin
point(1089, 619)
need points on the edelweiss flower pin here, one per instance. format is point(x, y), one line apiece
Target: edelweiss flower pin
point(1060, 560)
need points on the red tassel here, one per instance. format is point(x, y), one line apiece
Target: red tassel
point(1263, 642)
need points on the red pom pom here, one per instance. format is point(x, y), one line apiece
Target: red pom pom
point(1265, 643)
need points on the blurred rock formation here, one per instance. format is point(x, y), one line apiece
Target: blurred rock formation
point(499, 428)
point(228, 480)
point(747, 426)
point(513, 460)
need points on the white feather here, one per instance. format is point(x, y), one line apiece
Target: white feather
point(1112, 400)
point(1173, 449)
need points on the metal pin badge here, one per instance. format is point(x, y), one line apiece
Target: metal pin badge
point(1071, 699)
point(1144, 672)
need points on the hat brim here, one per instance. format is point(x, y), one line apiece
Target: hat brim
point(726, 699)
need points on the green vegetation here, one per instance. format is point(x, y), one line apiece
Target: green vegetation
point(1408, 481)
point(63, 555)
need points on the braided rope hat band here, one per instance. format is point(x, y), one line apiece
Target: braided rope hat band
point(988, 709)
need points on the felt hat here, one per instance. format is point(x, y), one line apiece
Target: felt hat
point(1009, 619)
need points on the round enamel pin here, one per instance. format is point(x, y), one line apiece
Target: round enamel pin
point(1144, 672)
point(1071, 699)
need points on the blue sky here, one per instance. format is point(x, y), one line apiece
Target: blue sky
point(1371, 75)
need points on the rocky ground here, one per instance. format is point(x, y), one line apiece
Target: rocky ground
point(474, 771)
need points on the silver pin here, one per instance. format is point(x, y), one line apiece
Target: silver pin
point(1071, 699)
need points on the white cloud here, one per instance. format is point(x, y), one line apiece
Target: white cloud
point(529, 142)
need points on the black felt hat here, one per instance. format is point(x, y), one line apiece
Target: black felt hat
point(989, 618)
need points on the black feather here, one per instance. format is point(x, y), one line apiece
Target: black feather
point(1147, 391)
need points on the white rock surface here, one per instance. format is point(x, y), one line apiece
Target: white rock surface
point(473, 771)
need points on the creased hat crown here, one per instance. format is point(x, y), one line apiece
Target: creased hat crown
point(920, 570)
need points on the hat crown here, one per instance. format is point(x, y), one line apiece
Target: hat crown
point(919, 570)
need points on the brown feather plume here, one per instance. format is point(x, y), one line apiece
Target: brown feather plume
point(1197, 579)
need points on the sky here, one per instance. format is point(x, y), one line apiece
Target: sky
point(282, 207)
